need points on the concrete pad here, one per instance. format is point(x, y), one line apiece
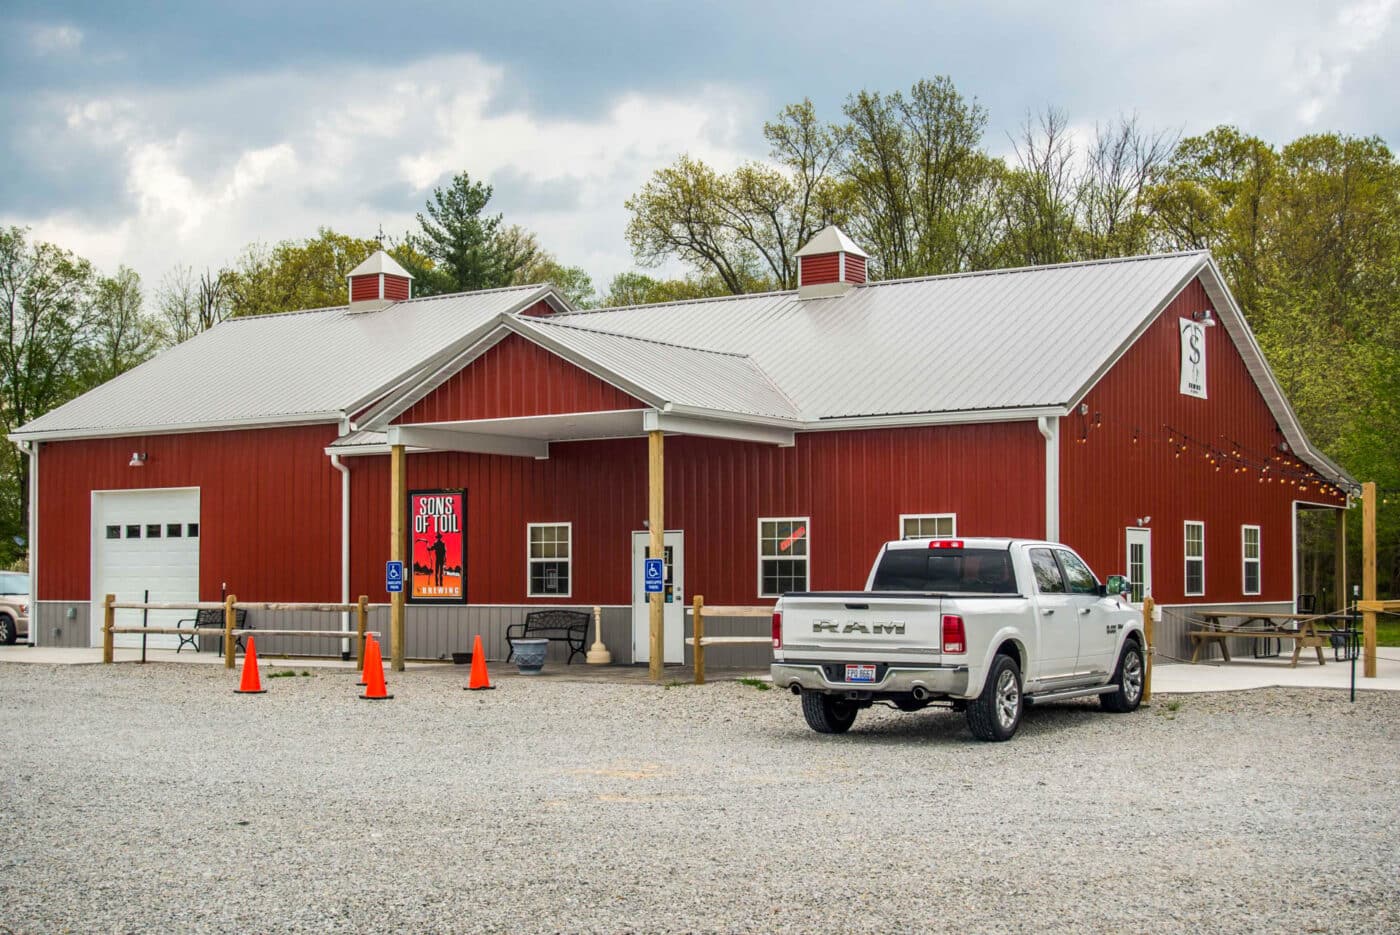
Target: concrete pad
point(77, 656)
point(1245, 674)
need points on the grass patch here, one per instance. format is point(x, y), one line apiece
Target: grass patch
point(756, 683)
point(282, 674)
point(1387, 630)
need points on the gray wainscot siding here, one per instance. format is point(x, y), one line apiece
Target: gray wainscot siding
point(61, 623)
point(742, 655)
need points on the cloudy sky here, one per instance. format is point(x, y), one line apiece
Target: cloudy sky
point(154, 134)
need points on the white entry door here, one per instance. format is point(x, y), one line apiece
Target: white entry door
point(144, 540)
point(1139, 566)
point(673, 599)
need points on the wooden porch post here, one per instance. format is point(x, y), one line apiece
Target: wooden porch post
point(656, 522)
point(398, 505)
point(1341, 560)
point(1368, 575)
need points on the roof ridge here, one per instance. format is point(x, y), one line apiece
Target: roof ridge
point(695, 301)
point(421, 298)
point(1002, 271)
point(633, 337)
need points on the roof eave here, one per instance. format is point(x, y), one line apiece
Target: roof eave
point(257, 422)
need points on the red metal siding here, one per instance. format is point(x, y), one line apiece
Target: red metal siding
point(853, 486)
point(364, 288)
point(517, 378)
point(540, 309)
point(816, 270)
point(269, 505)
point(396, 288)
point(855, 269)
point(1108, 480)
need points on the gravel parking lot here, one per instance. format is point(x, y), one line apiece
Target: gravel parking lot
point(154, 800)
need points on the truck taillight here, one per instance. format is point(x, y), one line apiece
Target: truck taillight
point(777, 629)
point(954, 636)
point(946, 544)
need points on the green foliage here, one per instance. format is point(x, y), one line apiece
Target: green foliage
point(295, 274)
point(640, 289)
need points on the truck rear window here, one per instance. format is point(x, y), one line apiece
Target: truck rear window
point(976, 571)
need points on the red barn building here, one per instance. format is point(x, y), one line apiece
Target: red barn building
point(1121, 406)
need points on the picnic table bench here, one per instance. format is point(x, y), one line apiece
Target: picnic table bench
point(211, 619)
point(555, 625)
point(1301, 628)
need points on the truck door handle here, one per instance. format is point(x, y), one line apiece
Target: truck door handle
point(1048, 611)
point(1083, 610)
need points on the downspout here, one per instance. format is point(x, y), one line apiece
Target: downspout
point(1050, 428)
point(344, 550)
point(32, 544)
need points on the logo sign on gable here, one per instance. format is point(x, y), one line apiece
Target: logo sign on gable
point(1193, 358)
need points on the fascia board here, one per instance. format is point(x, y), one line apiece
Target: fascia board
point(260, 422)
point(913, 420)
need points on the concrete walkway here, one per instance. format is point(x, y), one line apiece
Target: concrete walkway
point(1245, 674)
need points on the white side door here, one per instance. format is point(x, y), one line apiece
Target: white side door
point(145, 540)
point(1139, 564)
point(673, 599)
point(1058, 619)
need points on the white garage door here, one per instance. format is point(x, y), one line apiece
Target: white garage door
point(145, 540)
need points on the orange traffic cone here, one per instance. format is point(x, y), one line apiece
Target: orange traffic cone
point(479, 679)
point(375, 689)
point(369, 638)
point(250, 684)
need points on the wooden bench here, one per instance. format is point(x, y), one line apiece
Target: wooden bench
point(211, 619)
point(1259, 627)
point(557, 626)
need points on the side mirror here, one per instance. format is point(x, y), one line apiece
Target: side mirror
point(1118, 584)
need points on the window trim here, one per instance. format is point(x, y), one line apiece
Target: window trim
point(1187, 559)
point(1258, 560)
point(530, 560)
point(934, 516)
point(758, 547)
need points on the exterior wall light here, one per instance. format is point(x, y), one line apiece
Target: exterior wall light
point(1206, 318)
point(138, 459)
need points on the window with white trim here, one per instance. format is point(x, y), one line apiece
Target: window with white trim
point(782, 555)
point(1195, 559)
point(550, 559)
point(928, 525)
point(1249, 554)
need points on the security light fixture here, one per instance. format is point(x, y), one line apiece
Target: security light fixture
point(138, 459)
point(1144, 520)
point(1206, 318)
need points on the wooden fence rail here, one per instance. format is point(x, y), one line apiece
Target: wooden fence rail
point(230, 606)
point(700, 640)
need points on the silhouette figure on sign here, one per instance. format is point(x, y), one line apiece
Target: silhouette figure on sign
point(439, 550)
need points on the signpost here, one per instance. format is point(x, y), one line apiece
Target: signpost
point(655, 575)
point(393, 577)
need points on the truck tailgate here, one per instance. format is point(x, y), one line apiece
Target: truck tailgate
point(893, 627)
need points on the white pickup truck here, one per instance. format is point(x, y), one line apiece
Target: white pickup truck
point(984, 625)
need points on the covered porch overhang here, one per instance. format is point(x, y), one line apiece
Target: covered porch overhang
point(531, 437)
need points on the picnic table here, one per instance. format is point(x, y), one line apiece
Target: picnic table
point(1302, 629)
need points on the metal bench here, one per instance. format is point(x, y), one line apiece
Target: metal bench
point(557, 626)
point(210, 619)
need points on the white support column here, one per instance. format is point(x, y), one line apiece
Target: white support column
point(1050, 428)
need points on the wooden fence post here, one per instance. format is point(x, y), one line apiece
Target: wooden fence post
point(108, 621)
point(1148, 605)
point(1370, 500)
point(229, 618)
point(362, 624)
point(699, 633)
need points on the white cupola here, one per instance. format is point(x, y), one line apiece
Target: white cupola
point(829, 264)
point(378, 282)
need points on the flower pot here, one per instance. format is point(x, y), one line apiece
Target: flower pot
point(529, 655)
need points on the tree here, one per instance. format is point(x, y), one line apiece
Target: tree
point(466, 250)
point(1124, 162)
point(188, 304)
point(123, 335)
point(46, 312)
point(640, 289)
point(1039, 195)
point(295, 275)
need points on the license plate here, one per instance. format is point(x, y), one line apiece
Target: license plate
point(860, 673)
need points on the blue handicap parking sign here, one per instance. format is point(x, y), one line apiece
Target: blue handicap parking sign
point(655, 575)
point(393, 577)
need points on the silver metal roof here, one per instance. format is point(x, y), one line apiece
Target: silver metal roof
point(300, 367)
point(1013, 339)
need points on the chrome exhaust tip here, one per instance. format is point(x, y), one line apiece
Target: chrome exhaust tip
point(920, 693)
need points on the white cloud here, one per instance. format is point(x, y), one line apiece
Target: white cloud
point(260, 158)
point(1325, 60)
point(55, 39)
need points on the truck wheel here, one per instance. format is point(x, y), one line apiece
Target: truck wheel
point(826, 714)
point(996, 713)
point(1129, 678)
point(8, 631)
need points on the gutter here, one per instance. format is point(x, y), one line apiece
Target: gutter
point(1050, 429)
point(31, 448)
point(344, 550)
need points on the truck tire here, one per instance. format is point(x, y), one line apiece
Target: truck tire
point(1129, 679)
point(8, 631)
point(996, 713)
point(826, 714)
